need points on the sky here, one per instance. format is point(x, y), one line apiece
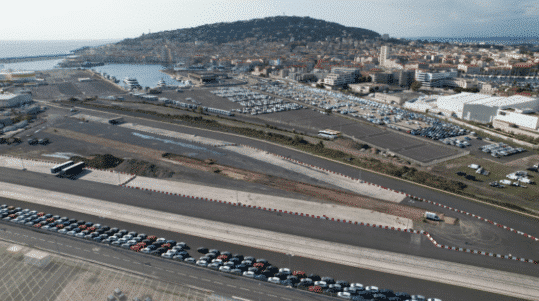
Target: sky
point(119, 19)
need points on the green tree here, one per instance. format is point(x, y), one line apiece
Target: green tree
point(415, 86)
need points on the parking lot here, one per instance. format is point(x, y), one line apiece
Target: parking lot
point(226, 262)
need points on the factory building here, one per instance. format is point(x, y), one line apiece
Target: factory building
point(9, 100)
point(484, 108)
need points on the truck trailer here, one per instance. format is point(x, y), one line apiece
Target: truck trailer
point(71, 171)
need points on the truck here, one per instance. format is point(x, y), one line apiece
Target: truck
point(432, 216)
point(71, 171)
point(59, 167)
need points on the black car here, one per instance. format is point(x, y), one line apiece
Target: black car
point(214, 251)
point(328, 280)
point(250, 258)
point(239, 256)
point(314, 277)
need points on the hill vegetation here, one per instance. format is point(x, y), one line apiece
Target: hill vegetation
point(267, 29)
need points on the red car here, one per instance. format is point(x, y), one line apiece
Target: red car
point(136, 248)
point(37, 226)
point(223, 257)
point(152, 237)
point(50, 220)
point(82, 227)
point(91, 229)
point(40, 213)
point(299, 274)
point(315, 289)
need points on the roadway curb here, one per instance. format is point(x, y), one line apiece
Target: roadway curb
point(400, 192)
point(324, 217)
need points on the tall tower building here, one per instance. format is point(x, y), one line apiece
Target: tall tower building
point(384, 55)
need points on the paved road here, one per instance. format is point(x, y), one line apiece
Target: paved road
point(513, 220)
point(224, 284)
point(362, 236)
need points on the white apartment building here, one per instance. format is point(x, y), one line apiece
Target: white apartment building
point(341, 76)
point(436, 79)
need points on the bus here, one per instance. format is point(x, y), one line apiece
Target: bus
point(329, 134)
point(57, 168)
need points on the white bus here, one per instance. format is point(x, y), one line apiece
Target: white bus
point(329, 134)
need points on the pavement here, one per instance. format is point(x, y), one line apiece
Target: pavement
point(511, 284)
point(324, 176)
point(222, 284)
point(272, 202)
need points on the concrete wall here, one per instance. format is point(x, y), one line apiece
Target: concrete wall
point(479, 113)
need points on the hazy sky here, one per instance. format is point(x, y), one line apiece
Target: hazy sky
point(118, 19)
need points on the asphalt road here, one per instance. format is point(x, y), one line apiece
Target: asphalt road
point(220, 283)
point(362, 236)
point(510, 219)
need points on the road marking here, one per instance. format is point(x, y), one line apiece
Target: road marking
point(50, 241)
point(170, 271)
point(116, 258)
point(127, 260)
point(220, 283)
point(69, 246)
point(245, 289)
point(41, 239)
point(286, 298)
point(25, 235)
point(77, 248)
point(7, 231)
point(182, 274)
point(207, 280)
point(33, 238)
point(191, 276)
point(136, 262)
point(272, 296)
point(59, 244)
point(106, 255)
point(230, 285)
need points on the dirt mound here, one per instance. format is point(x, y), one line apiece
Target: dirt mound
point(99, 161)
point(144, 168)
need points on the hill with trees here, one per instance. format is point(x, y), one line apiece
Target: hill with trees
point(267, 29)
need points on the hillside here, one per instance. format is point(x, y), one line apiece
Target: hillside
point(267, 29)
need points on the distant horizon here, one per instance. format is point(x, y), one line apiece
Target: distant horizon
point(122, 19)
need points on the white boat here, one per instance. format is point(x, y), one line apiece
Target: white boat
point(132, 83)
point(161, 84)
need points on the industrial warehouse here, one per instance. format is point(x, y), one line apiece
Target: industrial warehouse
point(483, 108)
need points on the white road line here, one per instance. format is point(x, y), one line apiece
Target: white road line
point(106, 255)
point(33, 238)
point(50, 241)
point(182, 274)
point(245, 289)
point(136, 262)
point(116, 258)
point(207, 280)
point(170, 271)
point(127, 260)
point(41, 239)
point(272, 296)
point(191, 276)
point(59, 244)
point(286, 298)
point(231, 285)
point(220, 283)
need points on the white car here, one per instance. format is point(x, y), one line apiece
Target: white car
point(275, 280)
point(344, 295)
point(225, 269)
point(321, 284)
point(249, 274)
point(202, 263)
point(285, 271)
point(372, 289)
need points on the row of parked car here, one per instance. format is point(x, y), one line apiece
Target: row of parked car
point(236, 264)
